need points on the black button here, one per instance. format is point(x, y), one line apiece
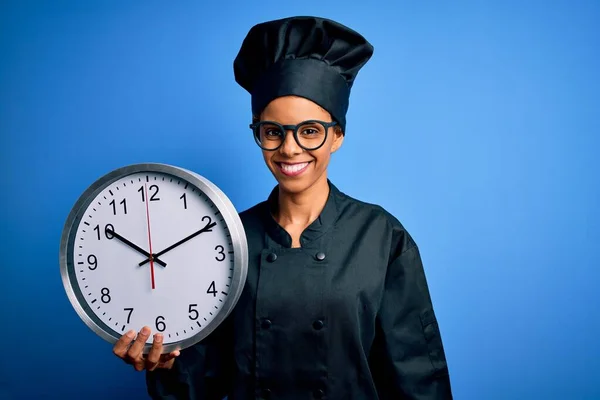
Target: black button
point(266, 324)
point(272, 257)
point(319, 393)
point(320, 256)
point(318, 324)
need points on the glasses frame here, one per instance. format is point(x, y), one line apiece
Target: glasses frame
point(294, 128)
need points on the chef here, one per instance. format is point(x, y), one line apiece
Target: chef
point(336, 303)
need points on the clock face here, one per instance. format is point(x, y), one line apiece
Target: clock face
point(152, 248)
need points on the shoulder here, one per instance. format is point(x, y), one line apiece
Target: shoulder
point(375, 216)
point(253, 217)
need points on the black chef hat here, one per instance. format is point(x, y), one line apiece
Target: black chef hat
point(310, 57)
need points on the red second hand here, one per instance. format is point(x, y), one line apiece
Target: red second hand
point(149, 236)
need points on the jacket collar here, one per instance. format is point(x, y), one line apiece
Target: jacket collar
point(314, 231)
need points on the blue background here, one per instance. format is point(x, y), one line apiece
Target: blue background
point(475, 123)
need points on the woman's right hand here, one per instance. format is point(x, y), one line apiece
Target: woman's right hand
point(130, 351)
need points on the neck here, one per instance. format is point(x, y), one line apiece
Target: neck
point(304, 207)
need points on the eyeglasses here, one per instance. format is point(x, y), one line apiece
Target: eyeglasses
point(310, 135)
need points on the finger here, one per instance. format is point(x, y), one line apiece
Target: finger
point(167, 360)
point(153, 356)
point(121, 346)
point(173, 354)
point(168, 357)
point(135, 351)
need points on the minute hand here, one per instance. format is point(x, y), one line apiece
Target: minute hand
point(207, 228)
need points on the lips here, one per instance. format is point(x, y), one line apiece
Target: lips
point(293, 169)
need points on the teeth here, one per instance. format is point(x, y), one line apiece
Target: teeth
point(293, 168)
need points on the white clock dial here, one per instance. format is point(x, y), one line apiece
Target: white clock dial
point(183, 287)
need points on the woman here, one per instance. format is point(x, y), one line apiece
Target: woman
point(336, 303)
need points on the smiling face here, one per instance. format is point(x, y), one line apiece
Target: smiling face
point(294, 168)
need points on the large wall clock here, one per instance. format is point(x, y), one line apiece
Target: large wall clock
point(153, 245)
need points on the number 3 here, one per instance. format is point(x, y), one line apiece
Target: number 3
point(221, 250)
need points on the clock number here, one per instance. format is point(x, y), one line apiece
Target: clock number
point(153, 197)
point(105, 295)
point(221, 250)
point(212, 290)
point(114, 205)
point(160, 325)
point(108, 235)
point(155, 193)
point(183, 196)
point(207, 217)
point(93, 261)
point(128, 315)
point(193, 311)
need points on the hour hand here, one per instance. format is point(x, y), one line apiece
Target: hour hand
point(135, 247)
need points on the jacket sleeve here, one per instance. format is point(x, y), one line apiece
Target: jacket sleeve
point(408, 357)
point(201, 371)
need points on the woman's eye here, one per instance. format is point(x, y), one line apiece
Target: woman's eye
point(273, 132)
point(309, 131)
